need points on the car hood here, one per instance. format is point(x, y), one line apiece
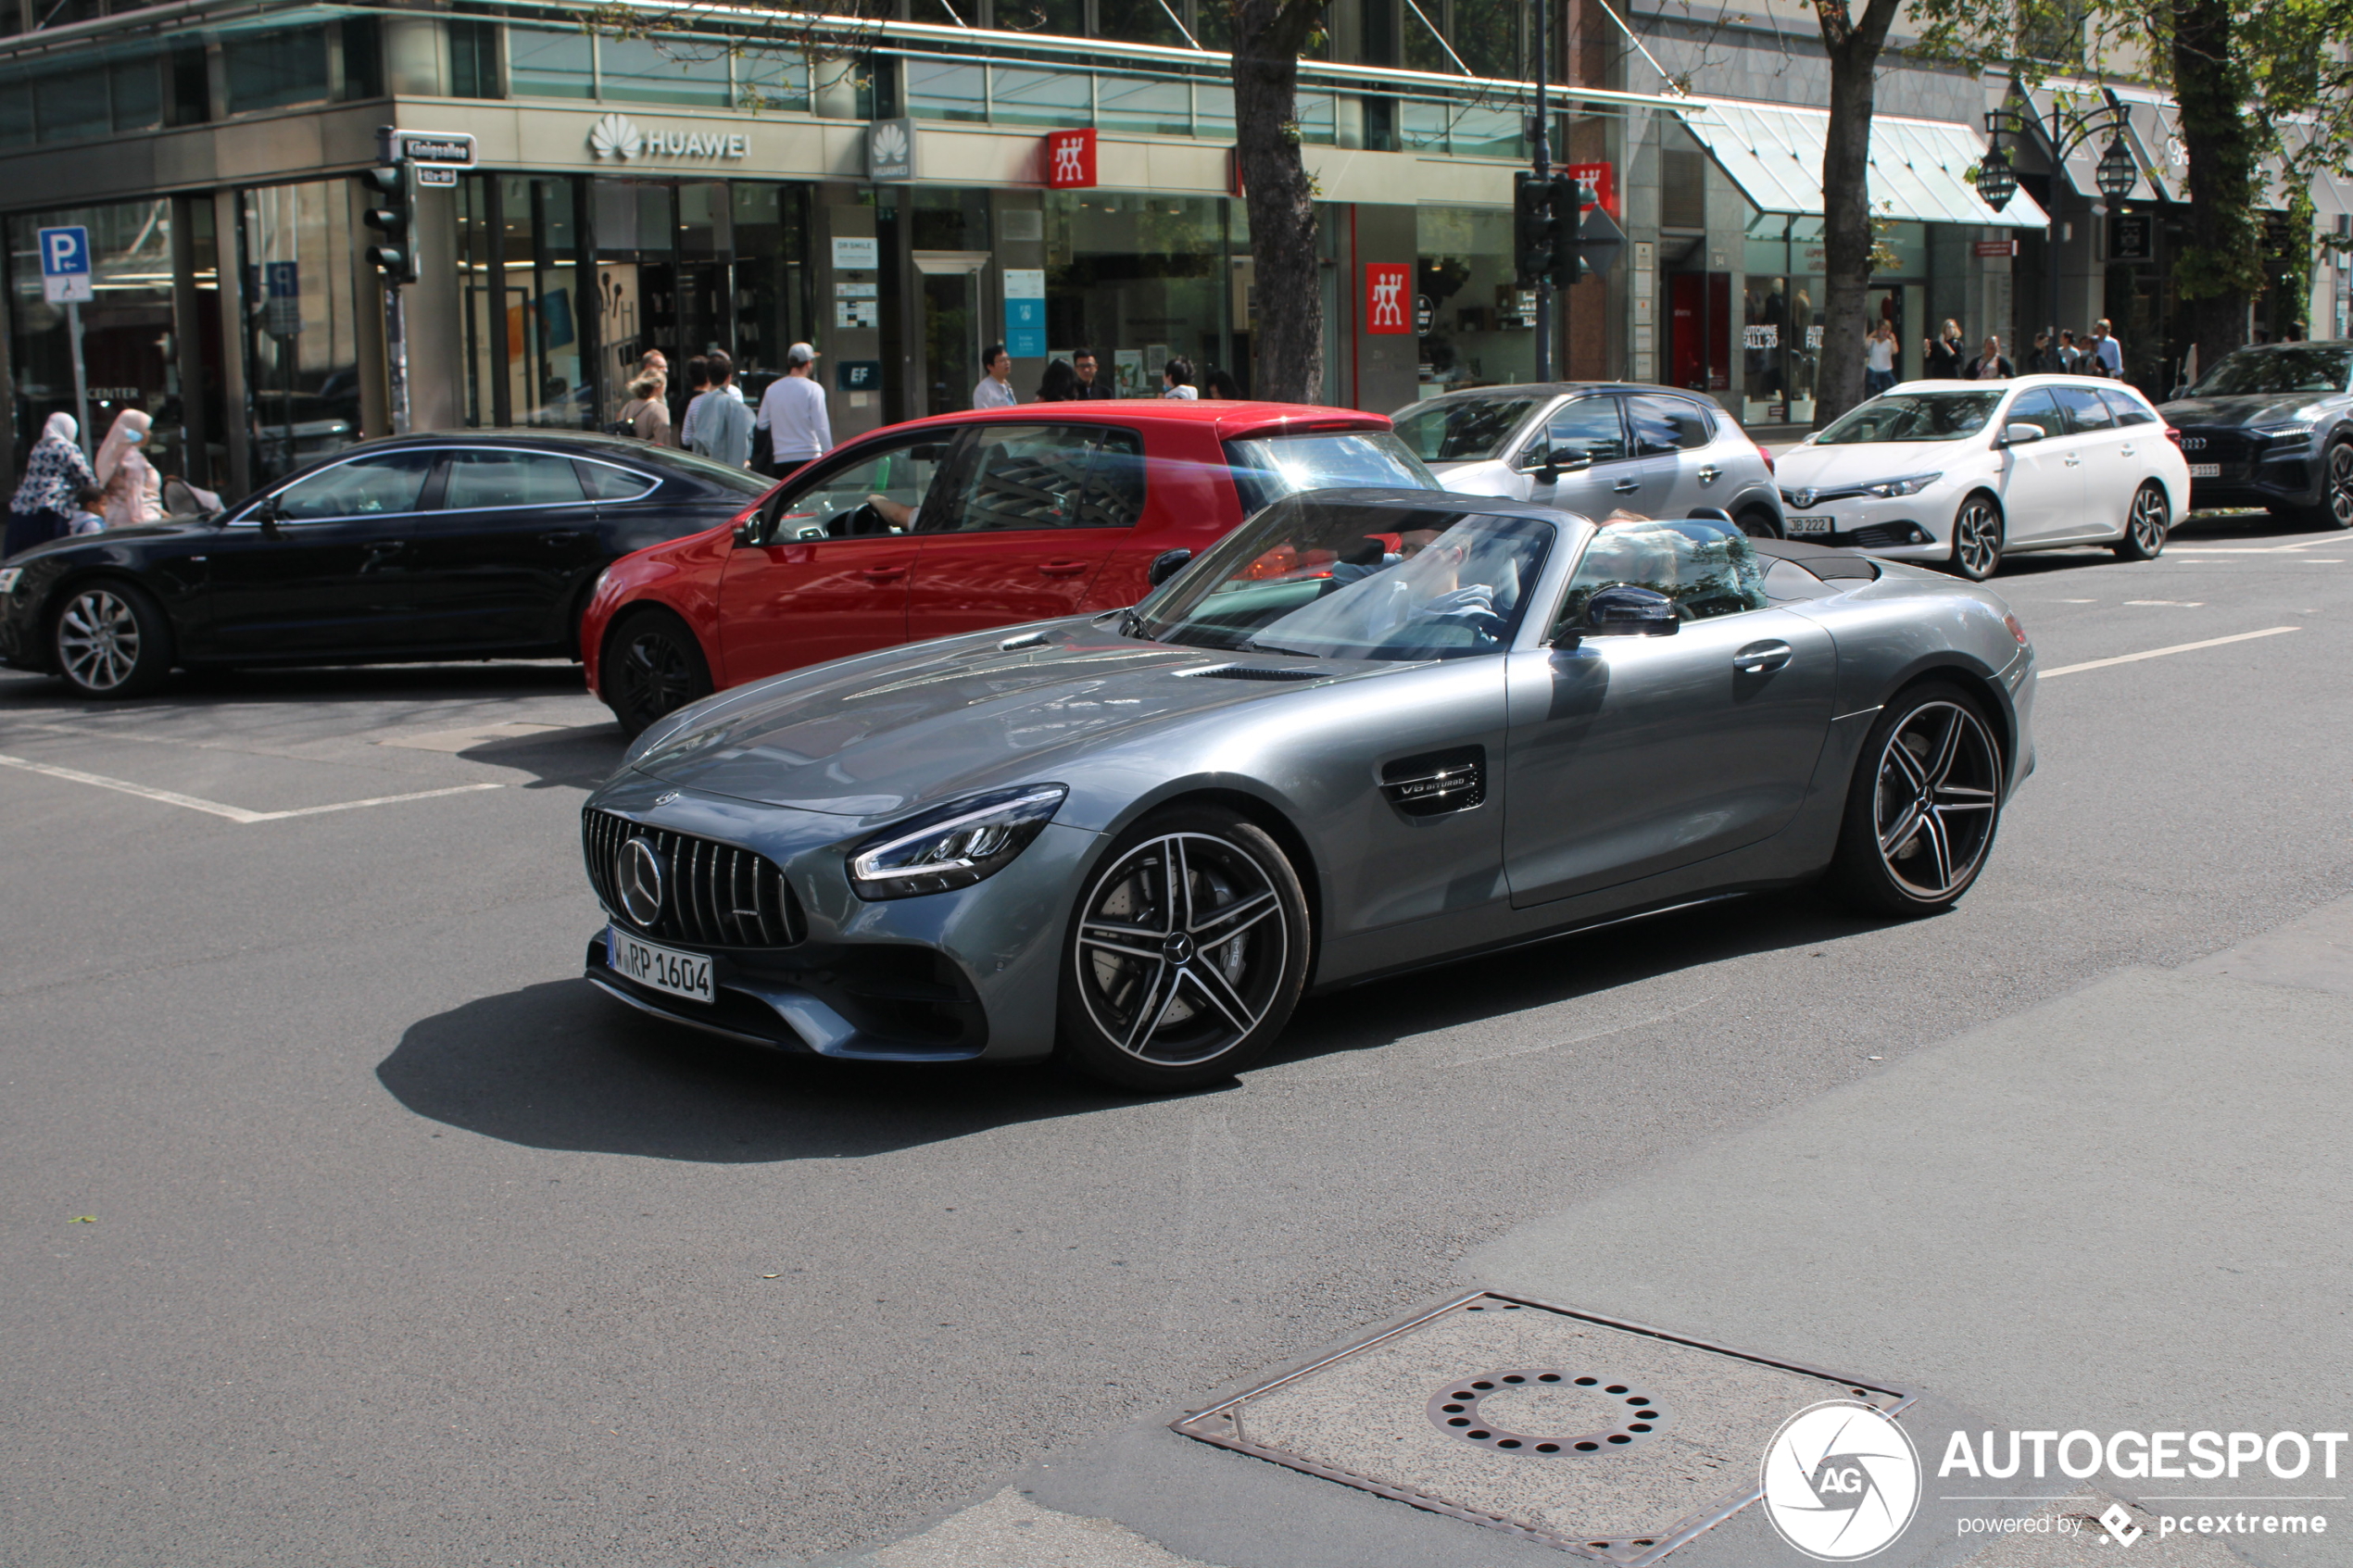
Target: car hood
point(1833, 467)
point(171, 528)
point(2253, 408)
point(1484, 476)
point(876, 735)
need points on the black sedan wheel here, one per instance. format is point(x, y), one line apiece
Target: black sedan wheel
point(1187, 953)
point(2145, 530)
point(1922, 813)
point(1977, 538)
point(110, 640)
point(653, 666)
point(2335, 510)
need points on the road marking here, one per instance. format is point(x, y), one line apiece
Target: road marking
point(2161, 653)
point(2242, 549)
point(2170, 604)
point(234, 813)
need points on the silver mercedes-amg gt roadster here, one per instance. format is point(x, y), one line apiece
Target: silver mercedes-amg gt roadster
point(1368, 730)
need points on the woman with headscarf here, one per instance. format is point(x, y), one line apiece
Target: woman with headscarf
point(134, 491)
point(54, 472)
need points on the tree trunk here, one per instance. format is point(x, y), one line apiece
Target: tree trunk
point(1280, 198)
point(2220, 267)
point(1854, 47)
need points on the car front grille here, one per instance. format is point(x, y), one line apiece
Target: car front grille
point(2229, 449)
point(713, 893)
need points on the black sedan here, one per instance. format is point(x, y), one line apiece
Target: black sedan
point(2272, 426)
point(478, 544)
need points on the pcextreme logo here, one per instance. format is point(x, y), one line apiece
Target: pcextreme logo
point(1841, 1481)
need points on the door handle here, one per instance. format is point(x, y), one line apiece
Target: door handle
point(882, 573)
point(1710, 474)
point(2126, 450)
point(568, 536)
point(1627, 486)
point(1761, 659)
point(1063, 568)
point(2073, 461)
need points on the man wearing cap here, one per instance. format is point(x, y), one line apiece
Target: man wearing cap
point(793, 413)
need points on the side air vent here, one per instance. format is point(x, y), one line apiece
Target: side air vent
point(1253, 672)
point(1436, 781)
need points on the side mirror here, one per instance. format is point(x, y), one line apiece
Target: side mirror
point(1165, 565)
point(745, 534)
point(1628, 611)
point(2020, 434)
point(269, 515)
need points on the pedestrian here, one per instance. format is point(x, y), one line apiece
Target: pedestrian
point(89, 515)
point(1082, 365)
point(647, 414)
point(697, 382)
point(1944, 353)
point(54, 471)
point(1059, 384)
point(134, 491)
point(1176, 379)
point(995, 389)
point(2107, 351)
point(1878, 358)
point(793, 413)
point(2069, 355)
point(1989, 365)
point(1218, 383)
point(2045, 359)
point(721, 423)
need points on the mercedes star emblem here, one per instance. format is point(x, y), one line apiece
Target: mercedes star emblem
point(638, 869)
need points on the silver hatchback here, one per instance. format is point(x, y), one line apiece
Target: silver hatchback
point(1595, 449)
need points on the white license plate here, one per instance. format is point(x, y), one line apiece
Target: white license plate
point(1812, 524)
point(2206, 470)
point(664, 969)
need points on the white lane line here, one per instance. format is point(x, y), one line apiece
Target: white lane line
point(234, 813)
point(2246, 549)
point(2161, 653)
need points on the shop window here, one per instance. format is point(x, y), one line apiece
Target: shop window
point(1147, 103)
point(522, 312)
point(774, 306)
point(654, 70)
point(1019, 95)
point(941, 90)
point(72, 104)
point(302, 351)
point(136, 89)
point(1480, 331)
point(269, 70)
point(1139, 279)
point(473, 58)
point(1137, 21)
point(547, 63)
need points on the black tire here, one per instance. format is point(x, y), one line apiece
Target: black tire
point(1143, 1004)
point(652, 666)
point(1933, 746)
point(1980, 533)
point(2144, 530)
point(109, 639)
point(2335, 507)
point(1758, 523)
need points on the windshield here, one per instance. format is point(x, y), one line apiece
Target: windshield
point(1462, 429)
point(1913, 416)
point(1270, 467)
point(1333, 576)
point(2276, 369)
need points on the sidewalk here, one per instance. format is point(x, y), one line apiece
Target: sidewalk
point(2122, 1210)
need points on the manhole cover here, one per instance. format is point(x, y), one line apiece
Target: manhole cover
point(1607, 1439)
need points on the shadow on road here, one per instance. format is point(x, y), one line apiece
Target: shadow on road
point(580, 757)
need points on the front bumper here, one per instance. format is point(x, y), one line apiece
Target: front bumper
point(2254, 473)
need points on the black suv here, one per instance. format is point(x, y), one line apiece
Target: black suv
point(2272, 426)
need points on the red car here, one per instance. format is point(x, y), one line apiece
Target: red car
point(958, 524)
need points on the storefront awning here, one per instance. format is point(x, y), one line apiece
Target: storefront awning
point(1919, 168)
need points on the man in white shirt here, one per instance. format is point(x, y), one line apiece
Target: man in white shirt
point(996, 388)
point(2107, 351)
point(793, 413)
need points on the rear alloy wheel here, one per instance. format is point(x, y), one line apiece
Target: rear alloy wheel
point(1188, 952)
point(653, 666)
point(1758, 524)
point(1922, 813)
point(2335, 510)
point(110, 640)
point(2145, 530)
point(1977, 538)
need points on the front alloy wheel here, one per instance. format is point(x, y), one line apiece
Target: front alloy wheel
point(1188, 953)
point(2335, 510)
point(2145, 530)
point(1977, 538)
point(653, 666)
point(1926, 801)
point(110, 641)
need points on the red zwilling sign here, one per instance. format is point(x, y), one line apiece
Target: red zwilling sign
point(1070, 159)
point(1603, 179)
point(1387, 306)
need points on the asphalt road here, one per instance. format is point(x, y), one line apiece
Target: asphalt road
point(342, 1222)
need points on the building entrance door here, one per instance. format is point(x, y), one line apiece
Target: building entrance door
point(951, 329)
point(1699, 330)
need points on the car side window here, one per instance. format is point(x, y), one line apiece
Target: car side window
point(879, 490)
point(1664, 425)
point(1584, 429)
point(484, 478)
point(2035, 407)
point(1706, 570)
point(608, 481)
point(2086, 411)
point(381, 485)
point(2128, 409)
point(1046, 476)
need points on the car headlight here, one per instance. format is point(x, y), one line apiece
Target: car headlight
point(9, 577)
point(2297, 432)
point(1911, 484)
point(953, 846)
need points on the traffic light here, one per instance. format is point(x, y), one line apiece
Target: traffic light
point(1536, 239)
point(391, 213)
point(1571, 198)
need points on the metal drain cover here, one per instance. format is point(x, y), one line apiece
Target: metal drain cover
point(1607, 1439)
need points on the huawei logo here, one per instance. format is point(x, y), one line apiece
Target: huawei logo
point(616, 135)
point(889, 144)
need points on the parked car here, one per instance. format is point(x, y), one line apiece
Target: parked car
point(476, 546)
point(1963, 473)
point(1595, 449)
point(1367, 730)
point(2272, 426)
point(957, 523)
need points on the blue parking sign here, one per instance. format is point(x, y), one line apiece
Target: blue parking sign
point(65, 265)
